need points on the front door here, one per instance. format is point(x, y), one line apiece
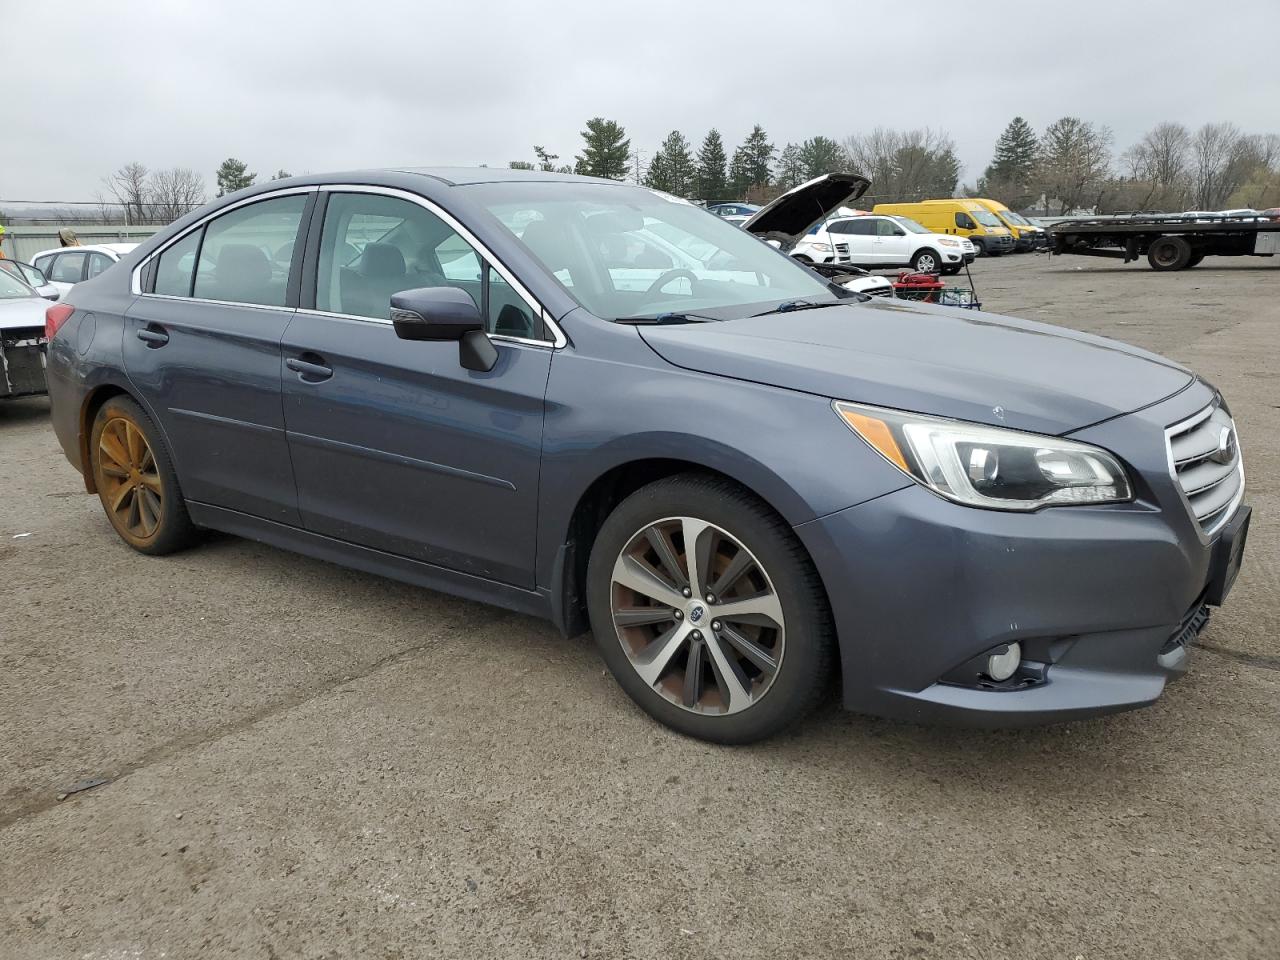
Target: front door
point(892, 247)
point(395, 445)
point(203, 348)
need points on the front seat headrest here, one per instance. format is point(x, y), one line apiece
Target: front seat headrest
point(382, 260)
point(242, 267)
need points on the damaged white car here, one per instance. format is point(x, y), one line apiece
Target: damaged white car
point(22, 339)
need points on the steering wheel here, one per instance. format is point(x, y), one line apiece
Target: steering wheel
point(668, 276)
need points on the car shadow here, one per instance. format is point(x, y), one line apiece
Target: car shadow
point(23, 411)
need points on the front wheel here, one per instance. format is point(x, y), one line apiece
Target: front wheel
point(135, 480)
point(979, 248)
point(708, 611)
point(926, 261)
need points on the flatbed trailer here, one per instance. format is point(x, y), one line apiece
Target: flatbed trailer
point(1170, 242)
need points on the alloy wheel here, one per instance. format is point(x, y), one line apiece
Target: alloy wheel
point(926, 264)
point(697, 616)
point(129, 479)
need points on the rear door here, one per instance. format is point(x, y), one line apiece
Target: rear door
point(203, 347)
point(860, 235)
point(396, 446)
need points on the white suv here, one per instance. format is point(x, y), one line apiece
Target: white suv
point(884, 241)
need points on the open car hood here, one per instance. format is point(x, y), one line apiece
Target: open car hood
point(790, 216)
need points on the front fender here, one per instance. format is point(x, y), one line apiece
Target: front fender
point(612, 401)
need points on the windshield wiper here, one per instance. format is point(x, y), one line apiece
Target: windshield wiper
point(790, 306)
point(662, 319)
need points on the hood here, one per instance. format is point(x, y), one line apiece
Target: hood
point(936, 360)
point(790, 216)
point(24, 312)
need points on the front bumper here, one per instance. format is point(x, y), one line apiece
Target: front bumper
point(919, 586)
point(22, 363)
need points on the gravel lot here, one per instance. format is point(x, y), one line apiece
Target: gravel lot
point(309, 762)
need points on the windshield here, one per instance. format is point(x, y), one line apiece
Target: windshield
point(628, 252)
point(987, 219)
point(911, 225)
point(12, 288)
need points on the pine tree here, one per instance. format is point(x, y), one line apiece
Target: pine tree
point(790, 167)
point(820, 155)
point(674, 166)
point(757, 156)
point(710, 180)
point(606, 150)
point(1015, 157)
point(233, 175)
point(656, 176)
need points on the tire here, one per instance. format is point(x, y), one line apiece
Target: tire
point(1168, 253)
point(979, 248)
point(926, 256)
point(135, 479)
point(642, 632)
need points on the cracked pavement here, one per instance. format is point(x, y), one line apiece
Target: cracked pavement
point(304, 761)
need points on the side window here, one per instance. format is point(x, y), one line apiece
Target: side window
point(887, 228)
point(44, 263)
point(840, 226)
point(964, 221)
point(176, 266)
point(247, 253)
point(68, 268)
point(373, 246)
point(97, 263)
point(862, 228)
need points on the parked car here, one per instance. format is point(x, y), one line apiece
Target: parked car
point(66, 266)
point(737, 212)
point(31, 277)
point(1026, 235)
point(747, 485)
point(876, 241)
point(964, 218)
point(22, 317)
point(788, 221)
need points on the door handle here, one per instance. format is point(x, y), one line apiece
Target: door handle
point(311, 370)
point(153, 335)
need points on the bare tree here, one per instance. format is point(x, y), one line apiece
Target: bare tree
point(128, 186)
point(1075, 162)
point(1215, 149)
point(174, 193)
point(905, 164)
point(1158, 167)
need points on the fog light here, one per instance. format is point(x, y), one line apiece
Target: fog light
point(1003, 663)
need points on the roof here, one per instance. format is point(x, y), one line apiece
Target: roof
point(463, 176)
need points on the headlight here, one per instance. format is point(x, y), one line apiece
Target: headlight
point(821, 247)
point(946, 242)
point(989, 466)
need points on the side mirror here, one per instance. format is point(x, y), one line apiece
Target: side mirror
point(444, 313)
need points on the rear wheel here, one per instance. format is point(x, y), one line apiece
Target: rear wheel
point(1169, 253)
point(135, 480)
point(926, 261)
point(708, 611)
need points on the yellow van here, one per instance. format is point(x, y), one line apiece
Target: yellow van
point(965, 218)
point(1026, 235)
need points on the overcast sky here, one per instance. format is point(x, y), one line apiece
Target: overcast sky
point(309, 85)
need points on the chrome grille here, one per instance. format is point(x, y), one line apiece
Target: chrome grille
point(1204, 454)
point(842, 251)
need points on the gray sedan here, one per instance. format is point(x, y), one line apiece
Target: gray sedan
point(748, 482)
